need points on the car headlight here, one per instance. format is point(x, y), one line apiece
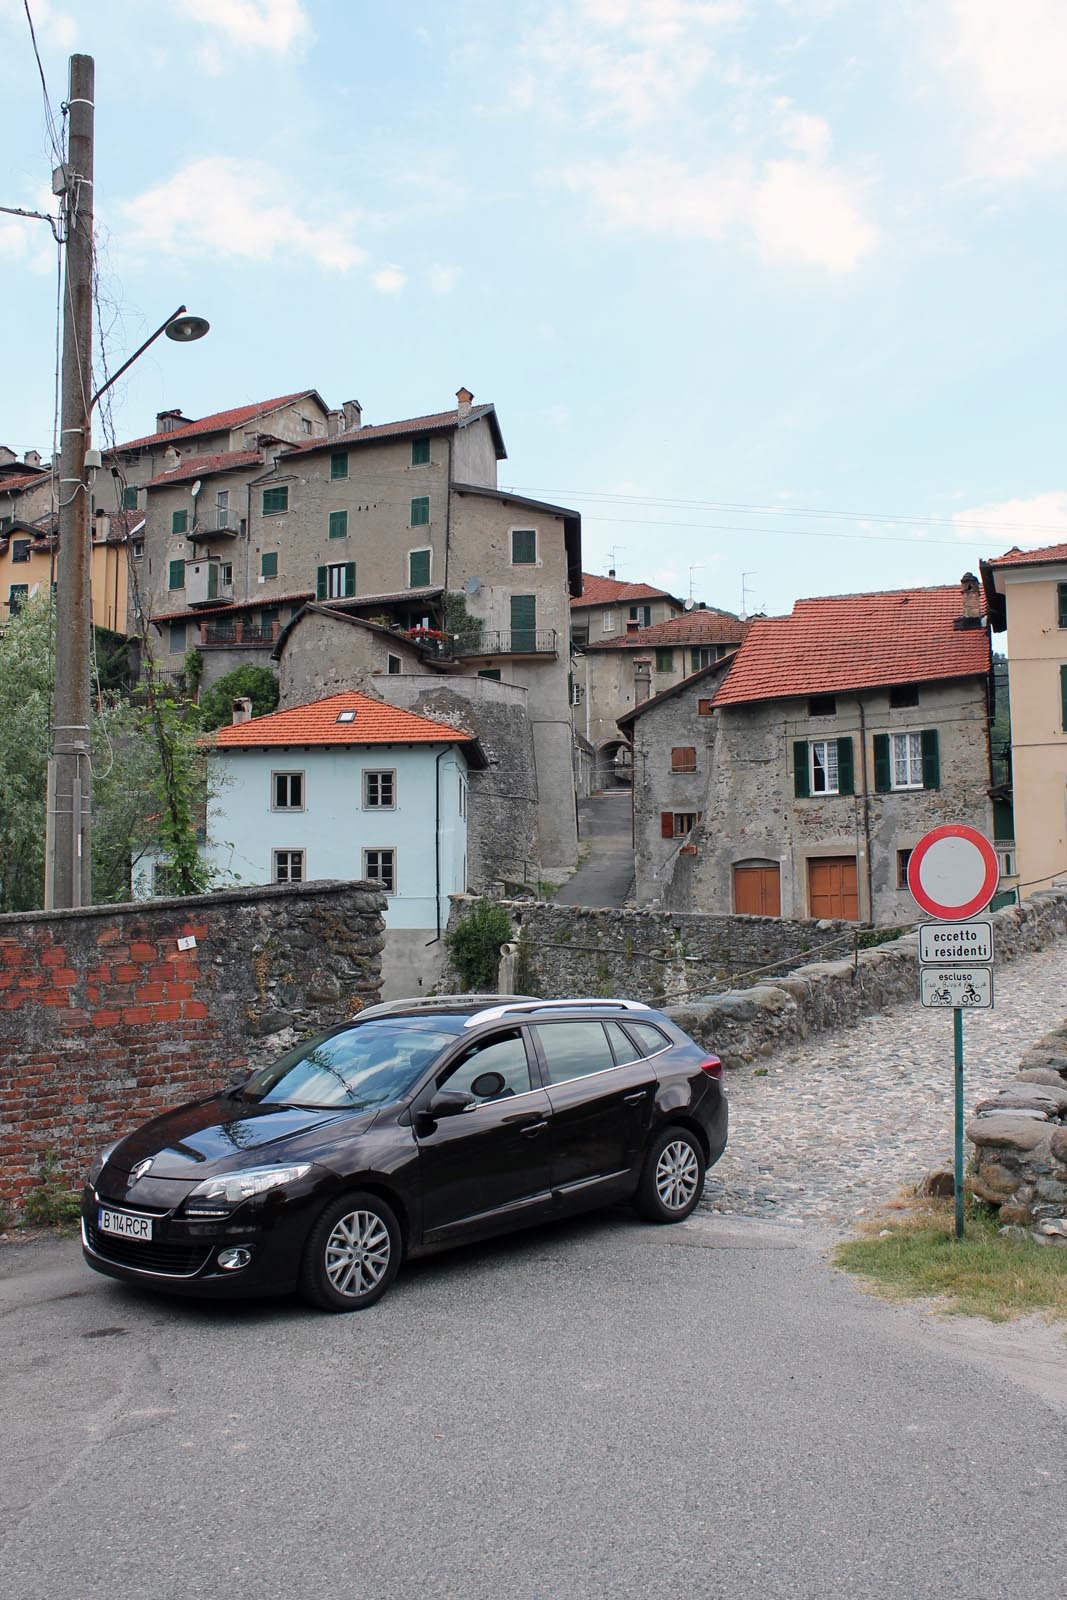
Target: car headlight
point(216, 1197)
point(99, 1162)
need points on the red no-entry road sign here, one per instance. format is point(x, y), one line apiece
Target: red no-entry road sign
point(953, 871)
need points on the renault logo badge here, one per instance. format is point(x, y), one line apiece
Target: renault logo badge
point(139, 1170)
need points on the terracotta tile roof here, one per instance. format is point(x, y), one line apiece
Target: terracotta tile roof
point(693, 627)
point(204, 466)
point(316, 723)
point(218, 422)
point(856, 641)
point(597, 591)
point(205, 613)
point(1029, 558)
point(436, 422)
point(30, 480)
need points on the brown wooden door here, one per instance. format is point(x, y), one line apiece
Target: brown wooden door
point(757, 892)
point(832, 888)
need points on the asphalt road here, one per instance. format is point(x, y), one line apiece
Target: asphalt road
point(599, 1409)
point(606, 876)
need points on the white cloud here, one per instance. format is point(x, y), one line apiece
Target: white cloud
point(279, 26)
point(233, 209)
point(1028, 522)
point(55, 29)
point(794, 211)
point(442, 280)
point(389, 280)
point(1012, 57)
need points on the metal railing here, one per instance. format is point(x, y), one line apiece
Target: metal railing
point(500, 642)
point(225, 635)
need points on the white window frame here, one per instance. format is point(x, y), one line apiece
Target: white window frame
point(462, 795)
point(380, 850)
point(290, 774)
point(829, 768)
point(336, 579)
point(290, 855)
point(609, 622)
point(911, 745)
point(378, 773)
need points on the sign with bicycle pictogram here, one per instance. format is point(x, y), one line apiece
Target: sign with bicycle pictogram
point(970, 988)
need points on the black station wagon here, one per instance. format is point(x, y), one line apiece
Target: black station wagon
point(420, 1124)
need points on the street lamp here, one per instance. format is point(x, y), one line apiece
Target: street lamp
point(179, 326)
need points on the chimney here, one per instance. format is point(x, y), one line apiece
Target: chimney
point(335, 422)
point(971, 602)
point(463, 401)
point(633, 624)
point(642, 679)
point(171, 458)
point(6, 456)
point(102, 528)
point(353, 415)
point(242, 710)
point(32, 458)
point(611, 572)
point(167, 421)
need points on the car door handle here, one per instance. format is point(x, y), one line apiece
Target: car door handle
point(636, 1098)
point(532, 1129)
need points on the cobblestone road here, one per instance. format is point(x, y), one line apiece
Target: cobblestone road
point(841, 1123)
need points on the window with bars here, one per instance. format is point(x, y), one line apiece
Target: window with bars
point(276, 500)
point(523, 547)
point(420, 511)
point(379, 866)
point(338, 527)
point(379, 790)
point(287, 791)
point(288, 866)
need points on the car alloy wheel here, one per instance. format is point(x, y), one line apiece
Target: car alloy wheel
point(351, 1255)
point(672, 1179)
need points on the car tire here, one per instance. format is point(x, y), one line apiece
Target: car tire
point(352, 1254)
point(672, 1178)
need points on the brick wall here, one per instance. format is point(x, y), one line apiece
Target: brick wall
point(105, 1022)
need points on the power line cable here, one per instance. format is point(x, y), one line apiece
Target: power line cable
point(55, 140)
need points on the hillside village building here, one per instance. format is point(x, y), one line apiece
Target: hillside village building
point(838, 737)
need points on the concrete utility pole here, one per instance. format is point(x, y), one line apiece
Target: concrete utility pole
point(68, 866)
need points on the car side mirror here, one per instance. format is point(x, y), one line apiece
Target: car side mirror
point(449, 1103)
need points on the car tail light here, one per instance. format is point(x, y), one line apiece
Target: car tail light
point(712, 1065)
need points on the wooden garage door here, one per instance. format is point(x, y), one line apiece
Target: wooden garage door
point(832, 888)
point(757, 892)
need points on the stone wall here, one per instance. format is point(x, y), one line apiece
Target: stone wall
point(104, 1021)
point(1020, 1140)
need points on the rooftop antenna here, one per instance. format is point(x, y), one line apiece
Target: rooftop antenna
point(698, 568)
point(613, 555)
point(745, 592)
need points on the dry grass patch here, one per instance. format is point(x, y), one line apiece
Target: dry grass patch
point(912, 1253)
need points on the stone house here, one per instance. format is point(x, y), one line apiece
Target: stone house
point(25, 488)
point(617, 672)
point(28, 559)
point(838, 737)
point(1026, 592)
point(349, 787)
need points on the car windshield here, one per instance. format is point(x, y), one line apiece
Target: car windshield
point(371, 1064)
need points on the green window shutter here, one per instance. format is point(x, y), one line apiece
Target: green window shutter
point(883, 772)
point(664, 660)
point(418, 569)
point(350, 577)
point(212, 580)
point(420, 511)
point(523, 546)
point(801, 775)
point(420, 452)
point(1061, 603)
point(523, 621)
point(176, 576)
point(931, 760)
point(179, 521)
point(320, 584)
point(338, 524)
point(276, 499)
point(1063, 698)
point(268, 565)
point(177, 637)
point(129, 498)
point(339, 464)
point(846, 779)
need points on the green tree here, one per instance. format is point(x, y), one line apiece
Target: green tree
point(25, 707)
point(257, 683)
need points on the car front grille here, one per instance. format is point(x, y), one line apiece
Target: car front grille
point(175, 1260)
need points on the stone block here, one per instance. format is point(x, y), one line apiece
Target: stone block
point(1009, 1131)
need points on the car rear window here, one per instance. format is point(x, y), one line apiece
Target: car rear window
point(573, 1049)
point(371, 1064)
point(649, 1038)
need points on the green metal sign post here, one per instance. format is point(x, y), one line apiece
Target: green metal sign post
point(957, 1177)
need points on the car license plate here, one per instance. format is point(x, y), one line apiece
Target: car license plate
point(122, 1222)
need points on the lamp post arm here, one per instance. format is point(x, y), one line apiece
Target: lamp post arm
point(104, 387)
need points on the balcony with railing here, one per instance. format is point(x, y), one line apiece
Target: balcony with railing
point(237, 633)
point(487, 642)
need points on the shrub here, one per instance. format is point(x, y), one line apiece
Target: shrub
point(258, 683)
point(474, 945)
point(51, 1203)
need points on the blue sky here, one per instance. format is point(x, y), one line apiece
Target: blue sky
point(771, 290)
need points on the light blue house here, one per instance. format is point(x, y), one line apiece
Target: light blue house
point(348, 787)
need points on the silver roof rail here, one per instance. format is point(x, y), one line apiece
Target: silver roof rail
point(431, 1002)
point(520, 1004)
